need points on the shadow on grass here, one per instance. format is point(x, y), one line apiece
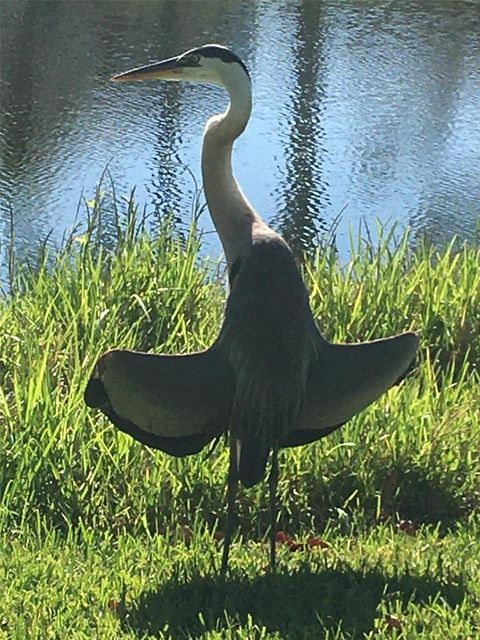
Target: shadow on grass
point(299, 605)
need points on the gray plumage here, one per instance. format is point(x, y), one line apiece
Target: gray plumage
point(268, 336)
point(270, 379)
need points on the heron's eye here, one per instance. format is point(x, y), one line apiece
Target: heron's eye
point(190, 60)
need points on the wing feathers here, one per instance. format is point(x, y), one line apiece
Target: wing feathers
point(346, 378)
point(173, 403)
point(179, 403)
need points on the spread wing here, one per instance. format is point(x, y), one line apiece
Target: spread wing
point(176, 403)
point(346, 378)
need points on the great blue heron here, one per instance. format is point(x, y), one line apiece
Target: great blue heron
point(270, 379)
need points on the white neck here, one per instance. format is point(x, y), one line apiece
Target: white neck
point(232, 214)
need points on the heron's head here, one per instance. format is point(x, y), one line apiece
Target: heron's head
point(211, 64)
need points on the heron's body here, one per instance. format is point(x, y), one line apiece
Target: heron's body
point(270, 379)
point(269, 338)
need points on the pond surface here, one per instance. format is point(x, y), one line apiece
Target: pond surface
point(367, 110)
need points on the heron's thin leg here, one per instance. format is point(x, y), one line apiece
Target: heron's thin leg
point(273, 481)
point(231, 495)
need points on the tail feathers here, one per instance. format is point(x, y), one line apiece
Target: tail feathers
point(252, 462)
point(262, 415)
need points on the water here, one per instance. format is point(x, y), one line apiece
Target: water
point(368, 109)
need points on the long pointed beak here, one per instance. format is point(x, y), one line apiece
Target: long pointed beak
point(169, 69)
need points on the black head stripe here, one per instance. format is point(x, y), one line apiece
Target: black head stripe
point(218, 51)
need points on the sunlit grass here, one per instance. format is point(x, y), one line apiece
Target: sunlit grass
point(102, 537)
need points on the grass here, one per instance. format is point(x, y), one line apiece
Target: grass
point(101, 537)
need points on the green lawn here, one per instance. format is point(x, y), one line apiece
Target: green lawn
point(103, 538)
point(135, 586)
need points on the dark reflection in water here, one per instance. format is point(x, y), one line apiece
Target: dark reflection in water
point(302, 201)
point(368, 107)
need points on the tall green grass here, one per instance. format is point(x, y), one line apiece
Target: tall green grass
point(66, 472)
point(66, 464)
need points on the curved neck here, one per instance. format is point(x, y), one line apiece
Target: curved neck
point(232, 214)
point(232, 123)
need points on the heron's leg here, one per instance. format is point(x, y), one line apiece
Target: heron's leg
point(231, 495)
point(273, 481)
